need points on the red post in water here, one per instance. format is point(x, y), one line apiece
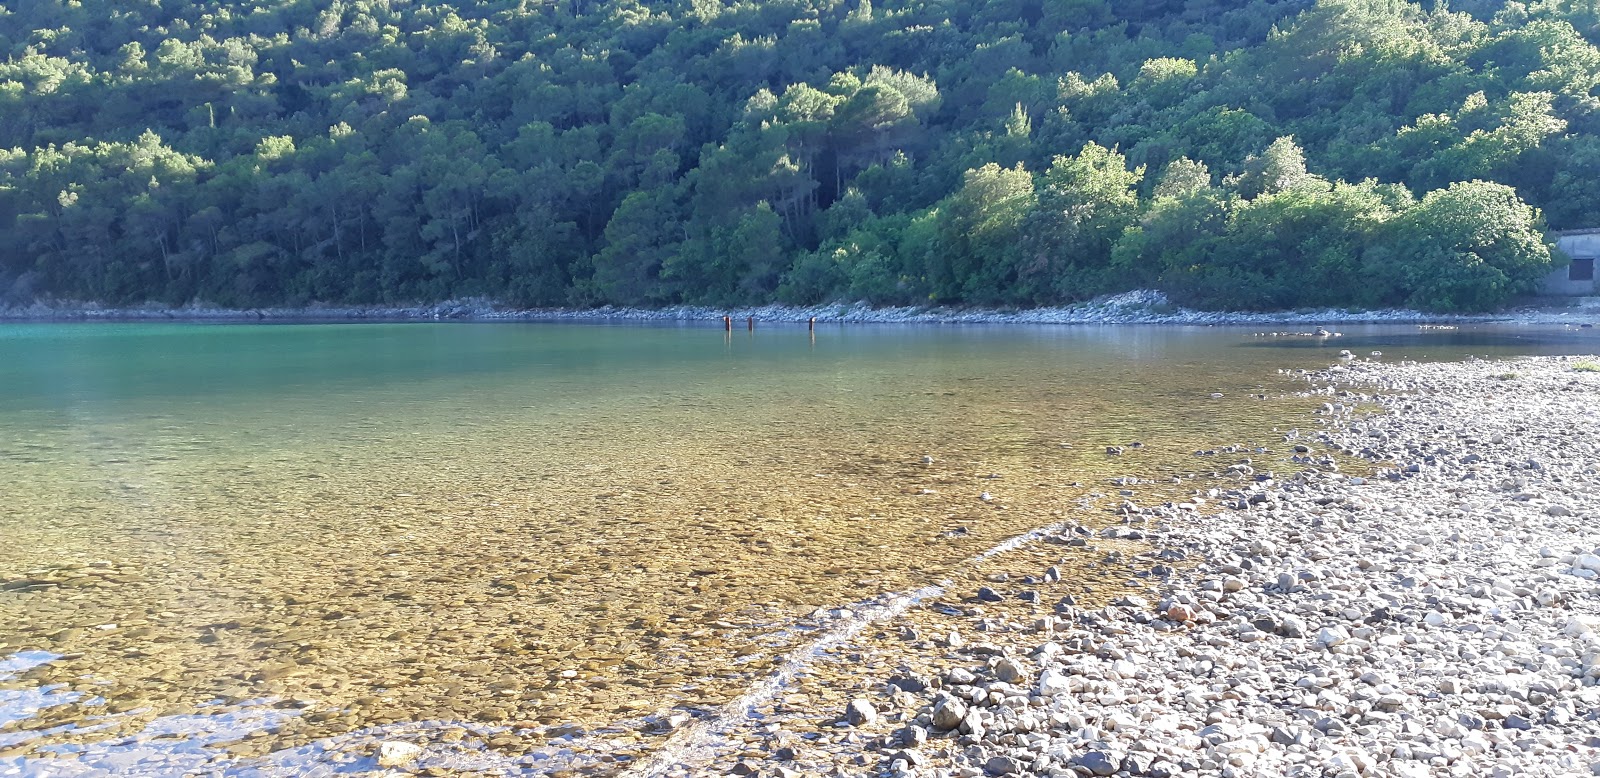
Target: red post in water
point(752, 322)
point(727, 323)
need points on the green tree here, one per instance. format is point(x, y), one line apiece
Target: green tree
point(639, 239)
point(980, 228)
point(1470, 247)
point(1084, 204)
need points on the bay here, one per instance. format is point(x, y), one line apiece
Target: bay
point(526, 526)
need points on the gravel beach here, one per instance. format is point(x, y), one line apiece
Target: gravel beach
point(1435, 615)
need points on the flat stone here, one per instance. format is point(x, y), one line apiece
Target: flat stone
point(1328, 637)
point(1003, 765)
point(1096, 762)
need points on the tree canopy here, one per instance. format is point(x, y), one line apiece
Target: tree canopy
point(1257, 154)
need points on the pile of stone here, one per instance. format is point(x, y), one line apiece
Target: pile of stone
point(1434, 617)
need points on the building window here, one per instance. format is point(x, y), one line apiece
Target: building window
point(1581, 270)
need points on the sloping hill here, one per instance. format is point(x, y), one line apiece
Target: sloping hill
point(1016, 152)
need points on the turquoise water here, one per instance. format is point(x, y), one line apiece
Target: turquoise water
point(364, 525)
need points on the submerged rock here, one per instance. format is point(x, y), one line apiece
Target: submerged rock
point(860, 712)
point(394, 753)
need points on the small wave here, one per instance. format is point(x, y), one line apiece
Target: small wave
point(190, 743)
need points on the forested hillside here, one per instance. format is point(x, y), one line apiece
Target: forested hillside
point(578, 152)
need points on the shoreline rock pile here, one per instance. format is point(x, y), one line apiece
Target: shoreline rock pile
point(1142, 306)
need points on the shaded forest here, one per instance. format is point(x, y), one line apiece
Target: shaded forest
point(1240, 155)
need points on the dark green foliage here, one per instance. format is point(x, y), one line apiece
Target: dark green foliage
point(584, 152)
point(1470, 247)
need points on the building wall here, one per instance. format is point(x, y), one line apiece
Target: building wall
point(1581, 246)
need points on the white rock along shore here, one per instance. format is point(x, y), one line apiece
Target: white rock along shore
point(1136, 307)
point(1437, 617)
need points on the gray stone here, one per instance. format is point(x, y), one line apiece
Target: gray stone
point(1003, 765)
point(860, 712)
point(1096, 762)
point(1137, 763)
point(972, 724)
point(1162, 768)
point(1328, 637)
point(911, 736)
point(1053, 682)
point(1009, 670)
point(949, 713)
point(911, 757)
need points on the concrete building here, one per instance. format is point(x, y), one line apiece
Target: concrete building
point(1575, 278)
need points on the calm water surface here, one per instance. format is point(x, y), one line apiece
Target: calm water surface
point(276, 535)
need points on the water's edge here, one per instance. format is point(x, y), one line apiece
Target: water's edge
point(1137, 307)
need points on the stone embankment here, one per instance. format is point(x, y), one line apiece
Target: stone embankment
point(1136, 307)
point(1435, 616)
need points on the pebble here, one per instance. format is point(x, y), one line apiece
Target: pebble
point(860, 712)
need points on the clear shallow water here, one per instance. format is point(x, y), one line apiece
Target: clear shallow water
point(318, 530)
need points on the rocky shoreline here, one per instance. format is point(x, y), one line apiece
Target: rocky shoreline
point(1436, 615)
point(1137, 307)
